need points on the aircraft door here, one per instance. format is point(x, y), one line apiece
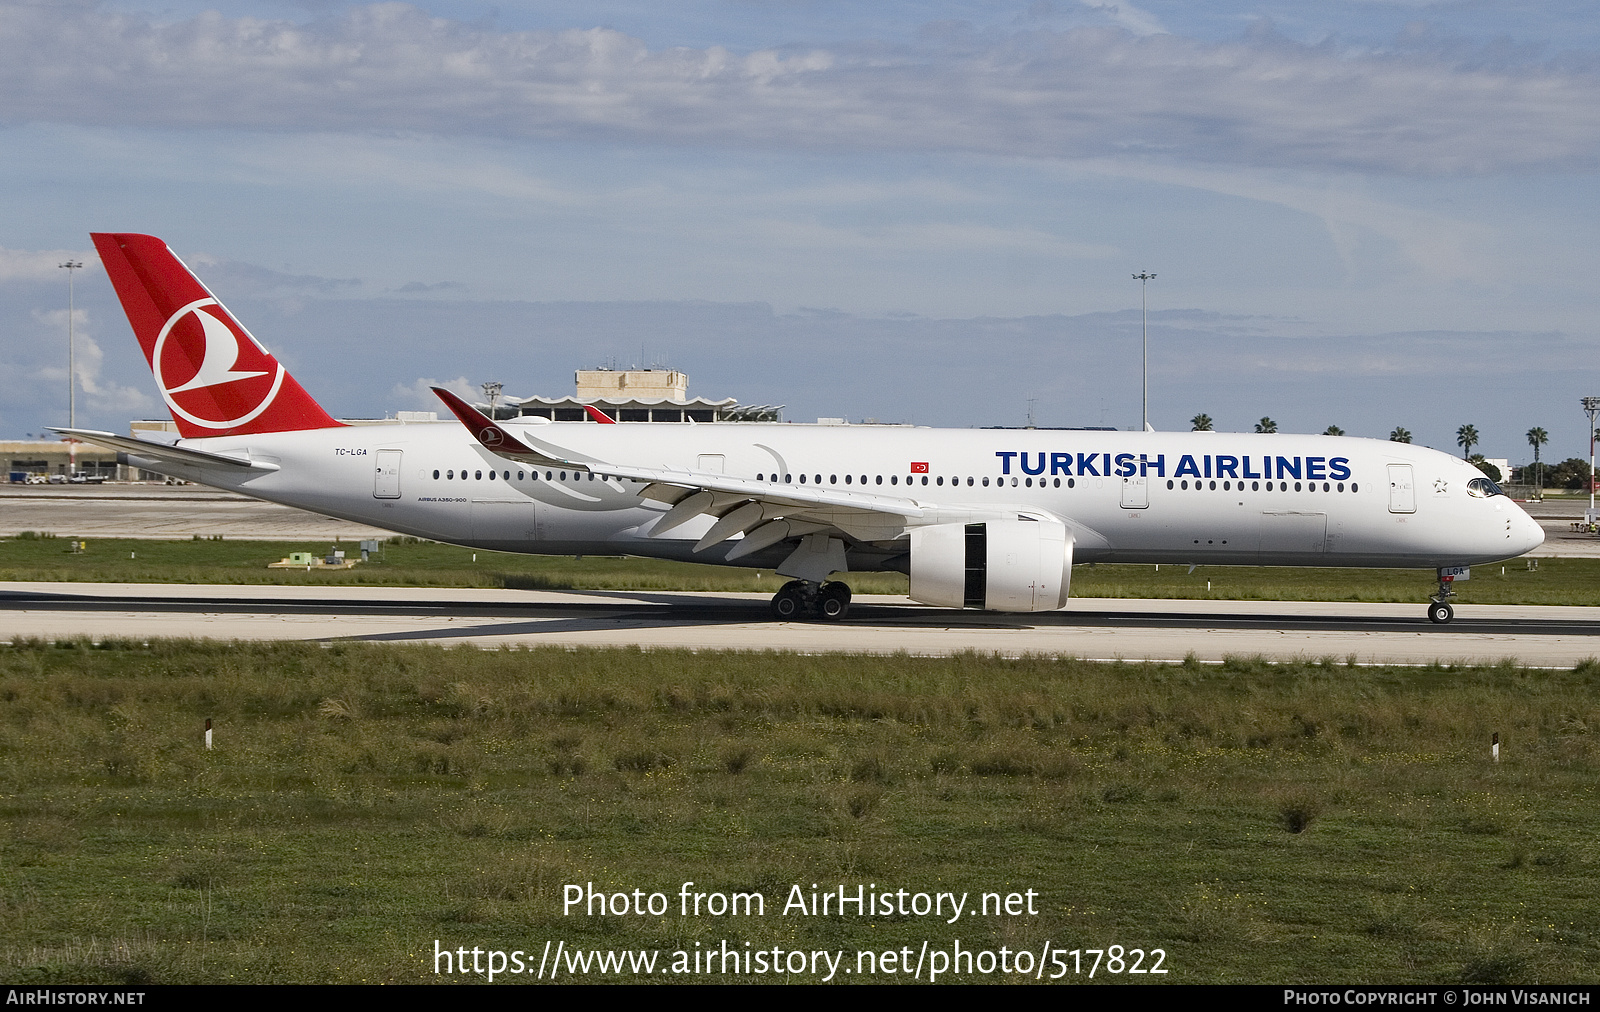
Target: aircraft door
point(1402, 489)
point(1293, 533)
point(386, 481)
point(506, 519)
point(1135, 493)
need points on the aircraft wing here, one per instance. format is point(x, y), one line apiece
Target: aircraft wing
point(766, 512)
point(163, 453)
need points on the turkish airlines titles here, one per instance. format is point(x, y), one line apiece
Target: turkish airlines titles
point(1220, 465)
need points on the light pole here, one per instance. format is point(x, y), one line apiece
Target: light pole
point(72, 367)
point(492, 390)
point(1591, 406)
point(1143, 277)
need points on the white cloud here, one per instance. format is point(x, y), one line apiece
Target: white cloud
point(1085, 92)
point(920, 237)
point(1127, 16)
point(42, 265)
point(1438, 246)
point(419, 395)
point(100, 395)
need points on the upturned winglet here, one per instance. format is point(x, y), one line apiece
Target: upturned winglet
point(492, 437)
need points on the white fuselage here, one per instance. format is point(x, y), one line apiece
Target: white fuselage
point(1187, 497)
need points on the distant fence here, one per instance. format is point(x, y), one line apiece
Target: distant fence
point(1523, 492)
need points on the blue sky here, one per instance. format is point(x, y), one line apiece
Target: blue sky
point(1363, 213)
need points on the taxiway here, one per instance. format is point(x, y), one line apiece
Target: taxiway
point(1090, 628)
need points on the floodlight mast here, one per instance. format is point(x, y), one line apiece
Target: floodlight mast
point(72, 380)
point(1591, 407)
point(1143, 277)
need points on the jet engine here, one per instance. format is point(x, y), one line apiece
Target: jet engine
point(997, 565)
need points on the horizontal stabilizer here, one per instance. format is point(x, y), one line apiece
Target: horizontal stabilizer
point(181, 456)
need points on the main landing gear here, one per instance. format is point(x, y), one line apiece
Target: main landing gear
point(1439, 610)
point(801, 599)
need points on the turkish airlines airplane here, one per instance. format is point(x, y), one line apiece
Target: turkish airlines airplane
point(979, 518)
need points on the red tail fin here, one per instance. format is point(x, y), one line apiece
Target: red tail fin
point(215, 376)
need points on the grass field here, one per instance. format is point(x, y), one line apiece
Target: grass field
point(1301, 822)
point(408, 562)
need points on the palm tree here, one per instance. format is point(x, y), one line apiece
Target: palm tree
point(1537, 437)
point(1201, 423)
point(1266, 425)
point(1467, 438)
point(1400, 435)
point(1333, 430)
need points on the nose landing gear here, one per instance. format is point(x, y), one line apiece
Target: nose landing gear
point(1439, 610)
point(801, 599)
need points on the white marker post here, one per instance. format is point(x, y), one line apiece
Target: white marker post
point(208, 735)
point(1494, 749)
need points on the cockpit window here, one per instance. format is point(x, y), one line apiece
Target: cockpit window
point(1483, 487)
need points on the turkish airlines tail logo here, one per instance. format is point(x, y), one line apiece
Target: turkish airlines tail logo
point(215, 376)
point(221, 353)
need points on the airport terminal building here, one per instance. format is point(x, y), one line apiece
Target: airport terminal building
point(632, 395)
point(47, 459)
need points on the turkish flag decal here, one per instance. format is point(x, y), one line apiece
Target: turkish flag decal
point(919, 467)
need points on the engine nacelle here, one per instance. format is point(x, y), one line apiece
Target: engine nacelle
point(998, 565)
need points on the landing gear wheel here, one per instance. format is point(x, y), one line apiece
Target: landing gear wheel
point(789, 604)
point(1439, 610)
point(833, 602)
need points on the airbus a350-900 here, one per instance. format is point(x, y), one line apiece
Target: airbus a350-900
point(978, 518)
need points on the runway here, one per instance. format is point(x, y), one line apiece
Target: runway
point(1091, 628)
point(163, 511)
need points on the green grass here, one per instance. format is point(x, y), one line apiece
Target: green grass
point(1555, 581)
point(1259, 822)
point(403, 562)
point(412, 563)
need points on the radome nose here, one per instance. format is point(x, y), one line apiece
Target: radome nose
point(1528, 532)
